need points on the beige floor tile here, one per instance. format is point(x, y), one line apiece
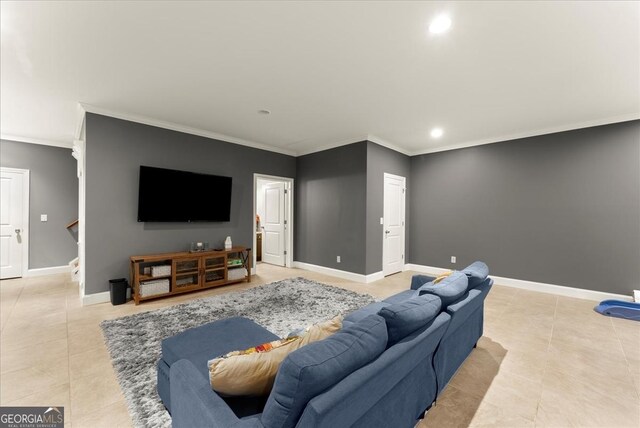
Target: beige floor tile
point(587, 364)
point(529, 363)
point(114, 415)
point(634, 366)
point(30, 356)
point(56, 396)
point(489, 415)
point(540, 323)
point(512, 338)
point(625, 325)
point(86, 340)
point(95, 362)
point(584, 340)
point(92, 393)
point(27, 324)
point(16, 338)
point(569, 401)
point(86, 326)
point(636, 381)
point(528, 298)
point(30, 306)
point(580, 315)
point(503, 290)
point(44, 374)
point(454, 409)
point(479, 371)
point(631, 348)
point(516, 394)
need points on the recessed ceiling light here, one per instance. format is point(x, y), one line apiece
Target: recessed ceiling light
point(264, 111)
point(436, 132)
point(440, 24)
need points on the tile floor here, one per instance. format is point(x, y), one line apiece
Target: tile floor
point(544, 360)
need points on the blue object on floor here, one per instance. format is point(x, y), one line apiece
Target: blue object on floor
point(620, 309)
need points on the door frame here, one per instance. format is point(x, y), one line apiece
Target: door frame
point(404, 219)
point(288, 210)
point(25, 215)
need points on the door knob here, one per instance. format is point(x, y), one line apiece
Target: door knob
point(17, 230)
point(387, 231)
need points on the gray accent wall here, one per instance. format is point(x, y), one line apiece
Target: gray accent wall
point(115, 149)
point(561, 208)
point(53, 191)
point(381, 160)
point(330, 213)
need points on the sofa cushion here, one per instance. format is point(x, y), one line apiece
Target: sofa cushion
point(477, 273)
point(401, 297)
point(310, 370)
point(418, 281)
point(362, 313)
point(253, 370)
point(404, 318)
point(449, 289)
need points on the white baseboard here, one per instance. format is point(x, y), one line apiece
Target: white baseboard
point(560, 290)
point(357, 277)
point(96, 298)
point(372, 277)
point(49, 270)
point(434, 271)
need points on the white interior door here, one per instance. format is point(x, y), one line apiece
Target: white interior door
point(11, 223)
point(393, 239)
point(273, 237)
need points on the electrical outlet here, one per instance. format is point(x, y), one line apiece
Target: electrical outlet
point(453, 259)
point(338, 259)
point(43, 217)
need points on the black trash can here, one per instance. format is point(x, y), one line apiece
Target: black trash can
point(118, 290)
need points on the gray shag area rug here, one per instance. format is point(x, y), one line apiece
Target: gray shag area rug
point(134, 341)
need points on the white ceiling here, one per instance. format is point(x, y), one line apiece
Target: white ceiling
point(330, 72)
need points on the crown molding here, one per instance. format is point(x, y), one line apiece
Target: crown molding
point(346, 142)
point(330, 146)
point(21, 139)
point(184, 129)
point(81, 114)
point(87, 108)
point(533, 133)
point(384, 143)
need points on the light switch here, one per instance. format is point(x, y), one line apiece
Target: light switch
point(381, 220)
point(43, 217)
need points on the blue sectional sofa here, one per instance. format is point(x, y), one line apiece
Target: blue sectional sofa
point(385, 367)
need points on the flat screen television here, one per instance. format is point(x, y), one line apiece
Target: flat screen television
point(168, 195)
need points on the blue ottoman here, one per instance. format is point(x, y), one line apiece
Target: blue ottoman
point(200, 344)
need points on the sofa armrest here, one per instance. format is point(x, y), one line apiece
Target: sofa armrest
point(462, 309)
point(418, 281)
point(474, 300)
point(195, 404)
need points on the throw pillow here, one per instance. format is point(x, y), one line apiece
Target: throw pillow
point(441, 277)
point(477, 273)
point(404, 318)
point(252, 371)
point(449, 289)
point(317, 367)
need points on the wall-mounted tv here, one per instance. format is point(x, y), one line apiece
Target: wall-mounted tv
point(168, 195)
